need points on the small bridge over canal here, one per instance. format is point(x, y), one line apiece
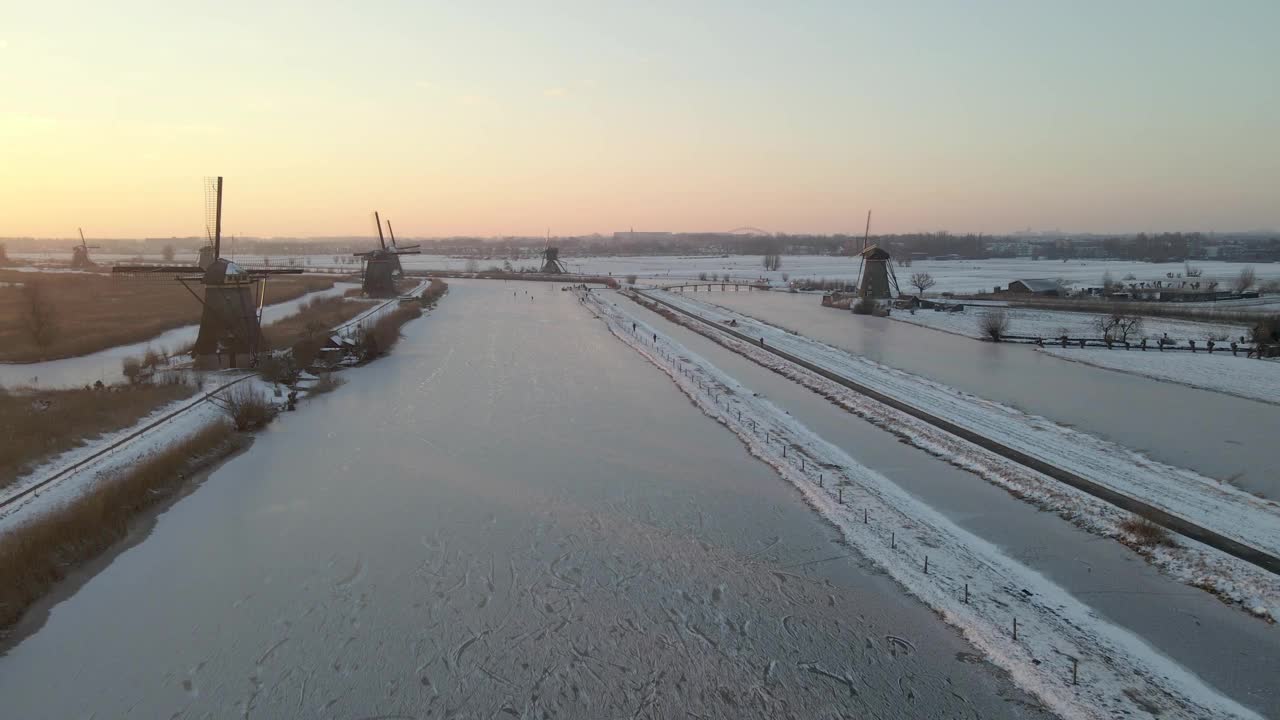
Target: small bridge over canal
point(710, 286)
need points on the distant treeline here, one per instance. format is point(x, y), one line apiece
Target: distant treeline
point(1175, 246)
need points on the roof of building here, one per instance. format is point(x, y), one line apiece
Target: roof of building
point(1038, 284)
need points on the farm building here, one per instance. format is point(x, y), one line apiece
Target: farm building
point(1036, 286)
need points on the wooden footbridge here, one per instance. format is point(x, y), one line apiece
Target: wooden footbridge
point(709, 286)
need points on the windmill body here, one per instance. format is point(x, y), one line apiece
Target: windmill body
point(232, 297)
point(878, 279)
point(80, 254)
point(551, 261)
point(382, 265)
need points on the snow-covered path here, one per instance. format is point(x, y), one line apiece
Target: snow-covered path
point(1219, 507)
point(942, 564)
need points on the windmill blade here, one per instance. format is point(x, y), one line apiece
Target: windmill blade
point(377, 220)
point(392, 233)
point(81, 231)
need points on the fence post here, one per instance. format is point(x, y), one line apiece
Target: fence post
point(1015, 628)
point(1075, 668)
point(926, 564)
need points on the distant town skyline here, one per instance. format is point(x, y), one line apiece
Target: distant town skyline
point(593, 117)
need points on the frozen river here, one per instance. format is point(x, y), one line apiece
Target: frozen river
point(1217, 435)
point(513, 514)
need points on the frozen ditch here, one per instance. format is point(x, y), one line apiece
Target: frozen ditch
point(1117, 672)
point(1221, 508)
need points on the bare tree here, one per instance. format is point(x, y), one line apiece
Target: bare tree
point(1246, 278)
point(922, 281)
point(4, 255)
point(40, 316)
point(473, 266)
point(167, 253)
point(995, 324)
point(1118, 326)
point(772, 261)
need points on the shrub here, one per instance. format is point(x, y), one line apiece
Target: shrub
point(631, 279)
point(865, 306)
point(995, 324)
point(247, 408)
point(1246, 278)
point(277, 368)
point(1146, 533)
point(152, 359)
point(131, 368)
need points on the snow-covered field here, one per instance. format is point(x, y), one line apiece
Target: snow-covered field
point(1119, 672)
point(1050, 324)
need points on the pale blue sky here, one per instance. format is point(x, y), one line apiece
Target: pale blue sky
point(495, 118)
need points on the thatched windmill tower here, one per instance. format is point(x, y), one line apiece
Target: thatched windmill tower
point(382, 265)
point(876, 278)
point(80, 254)
point(231, 322)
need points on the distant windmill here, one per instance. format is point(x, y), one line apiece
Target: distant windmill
point(876, 277)
point(551, 258)
point(382, 265)
point(231, 323)
point(80, 254)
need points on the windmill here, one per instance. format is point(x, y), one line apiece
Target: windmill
point(551, 258)
point(382, 265)
point(80, 254)
point(231, 322)
point(876, 277)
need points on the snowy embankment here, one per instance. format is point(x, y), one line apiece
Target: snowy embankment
point(940, 563)
point(1219, 507)
point(76, 482)
point(1050, 324)
point(1221, 372)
